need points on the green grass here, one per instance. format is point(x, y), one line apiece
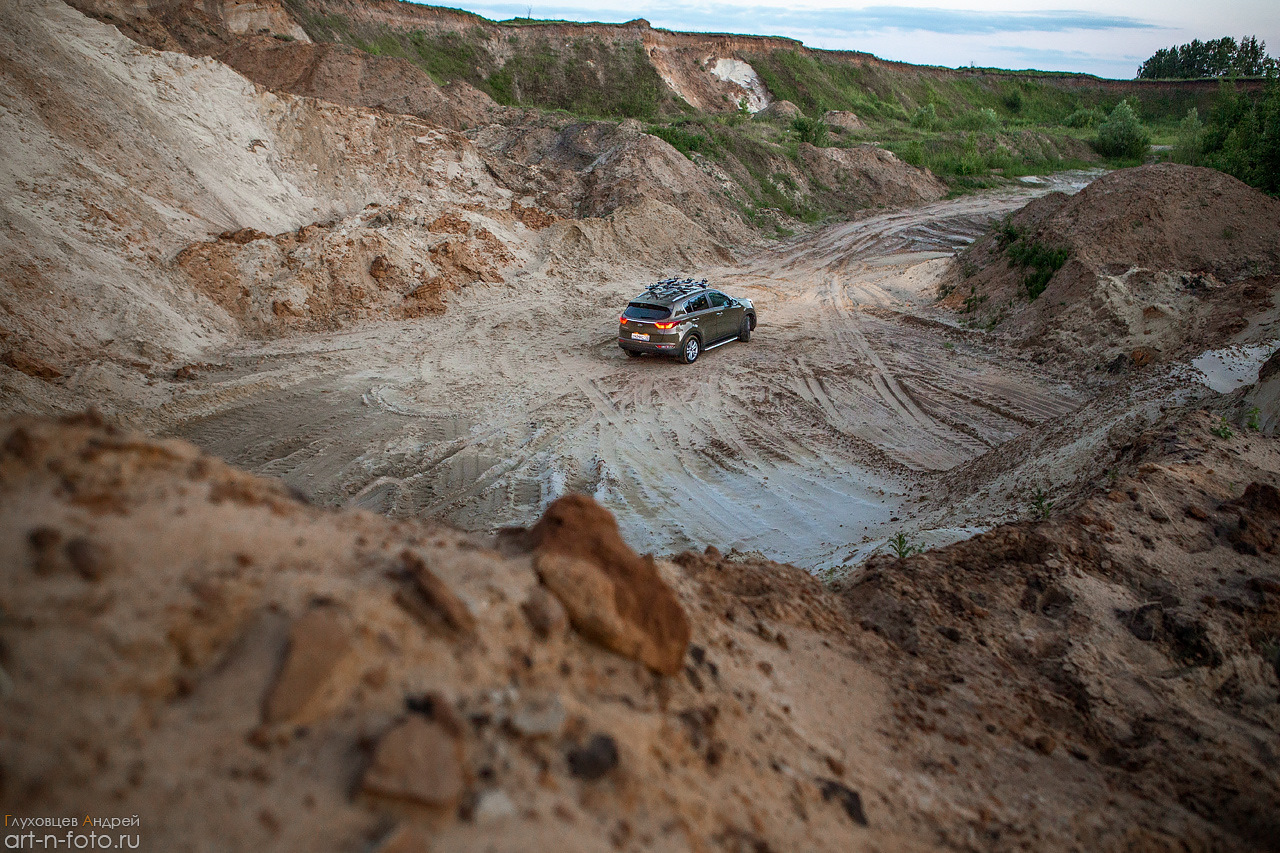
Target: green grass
point(971, 160)
point(588, 77)
point(684, 141)
point(448, 56)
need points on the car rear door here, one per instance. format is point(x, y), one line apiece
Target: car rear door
point(699, 310)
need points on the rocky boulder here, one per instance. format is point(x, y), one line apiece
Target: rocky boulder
point(843, 120)
point(613, 596)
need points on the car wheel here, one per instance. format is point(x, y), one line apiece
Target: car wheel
point(632, 353)
point(690, 350)
point(744, 333)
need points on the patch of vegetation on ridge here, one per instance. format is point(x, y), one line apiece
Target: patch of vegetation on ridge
point(1039, 260)
point(589, 77)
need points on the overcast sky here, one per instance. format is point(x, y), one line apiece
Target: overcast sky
point(1110, 39)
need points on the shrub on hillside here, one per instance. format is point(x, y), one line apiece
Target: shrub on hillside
point(1122, 134)
point(1243, 136)
point(810, 130)
point(983, 119)
point(1189, 146)
point(684, 141)
point(1040, 262)
point(925, 117)
point(1085, 117)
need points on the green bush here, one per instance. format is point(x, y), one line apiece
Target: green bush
point(1189, 146)
point(1040, 260)
point(1242, 137)
point(1085, 117)
point(925, 117)
point(983, 119)
point(810, 130)
point(1122, 134)
point(684, 141)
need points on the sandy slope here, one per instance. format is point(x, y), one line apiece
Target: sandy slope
point(120, 156)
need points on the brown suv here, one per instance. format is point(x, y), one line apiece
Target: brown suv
point(683, 318)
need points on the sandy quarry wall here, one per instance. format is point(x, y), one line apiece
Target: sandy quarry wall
point(121, 156)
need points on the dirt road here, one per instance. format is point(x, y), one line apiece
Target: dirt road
point(826, 429)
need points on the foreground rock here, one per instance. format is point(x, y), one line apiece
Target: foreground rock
point(417, 762)
point(612, 595)
point(319, 645)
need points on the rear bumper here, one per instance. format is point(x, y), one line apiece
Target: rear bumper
point(663, 347)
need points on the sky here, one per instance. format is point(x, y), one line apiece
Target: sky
point(1109, 39)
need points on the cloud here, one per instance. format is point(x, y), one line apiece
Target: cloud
point(971, 21)
point(1048, 59)
point(934, 36)
point(766, 20)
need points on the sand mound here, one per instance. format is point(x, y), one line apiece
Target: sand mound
point(379, 264)
point(1160, 261)
point(647, 233)
point(868, 175)
point(193, 635)
point(591, 169)
point(1137, 623)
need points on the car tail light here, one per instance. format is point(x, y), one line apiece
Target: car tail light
point(670, 325)
point(623, 320)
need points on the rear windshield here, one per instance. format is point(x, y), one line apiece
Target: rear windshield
point(645, 311)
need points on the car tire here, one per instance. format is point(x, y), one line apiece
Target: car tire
point(632, 353)
point(690, 349)
point(744, 333)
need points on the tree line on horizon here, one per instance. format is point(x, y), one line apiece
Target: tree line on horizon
point(1224, 57)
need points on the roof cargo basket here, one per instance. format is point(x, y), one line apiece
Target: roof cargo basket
point(669, 288)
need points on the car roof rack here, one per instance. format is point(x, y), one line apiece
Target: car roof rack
point(669, 288)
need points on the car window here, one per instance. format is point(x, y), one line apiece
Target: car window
point(644, 311)
point(718, 300)
point(698, 303)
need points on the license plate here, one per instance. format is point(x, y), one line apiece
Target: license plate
point(639, 336)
